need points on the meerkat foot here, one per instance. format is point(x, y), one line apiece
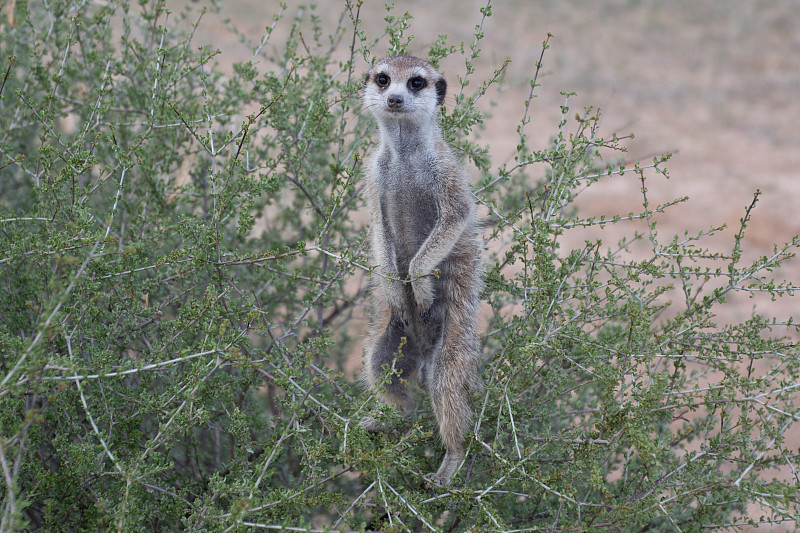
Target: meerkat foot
point(441, 478)
point(372, 425)
point(434, 480)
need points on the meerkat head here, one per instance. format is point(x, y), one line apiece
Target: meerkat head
point(403, 88)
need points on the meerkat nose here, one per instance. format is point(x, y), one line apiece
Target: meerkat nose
point(395, 101)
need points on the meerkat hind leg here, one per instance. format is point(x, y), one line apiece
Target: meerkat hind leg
point(453, 416)
point(451, 406)
point(454, 376)
point(402, 355)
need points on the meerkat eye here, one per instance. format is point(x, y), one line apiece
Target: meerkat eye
point(382, 80)
point(417, 83)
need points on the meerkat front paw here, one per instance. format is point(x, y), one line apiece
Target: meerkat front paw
point(394, 297)
point(423, 294)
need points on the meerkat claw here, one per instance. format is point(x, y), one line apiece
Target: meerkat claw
point(398, 321)
point(426, 315)
point(433, 480)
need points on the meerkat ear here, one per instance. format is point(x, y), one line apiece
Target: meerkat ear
point(366, 79)
point(441, 90)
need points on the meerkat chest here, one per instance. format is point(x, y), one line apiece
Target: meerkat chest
point(409, 197)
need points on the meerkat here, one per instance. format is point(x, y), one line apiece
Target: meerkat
point(427, 251)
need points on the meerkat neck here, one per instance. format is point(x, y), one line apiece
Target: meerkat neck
point(406, 136)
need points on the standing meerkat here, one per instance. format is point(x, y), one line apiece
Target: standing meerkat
point(424, 232)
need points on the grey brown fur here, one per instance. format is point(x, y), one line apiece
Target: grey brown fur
point(423, 218)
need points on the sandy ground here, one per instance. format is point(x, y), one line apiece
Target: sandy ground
point(717, 83)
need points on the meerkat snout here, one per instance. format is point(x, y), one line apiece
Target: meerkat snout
point(395, 101)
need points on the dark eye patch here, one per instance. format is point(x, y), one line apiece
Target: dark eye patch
point(382, 80)
point(417, 83)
